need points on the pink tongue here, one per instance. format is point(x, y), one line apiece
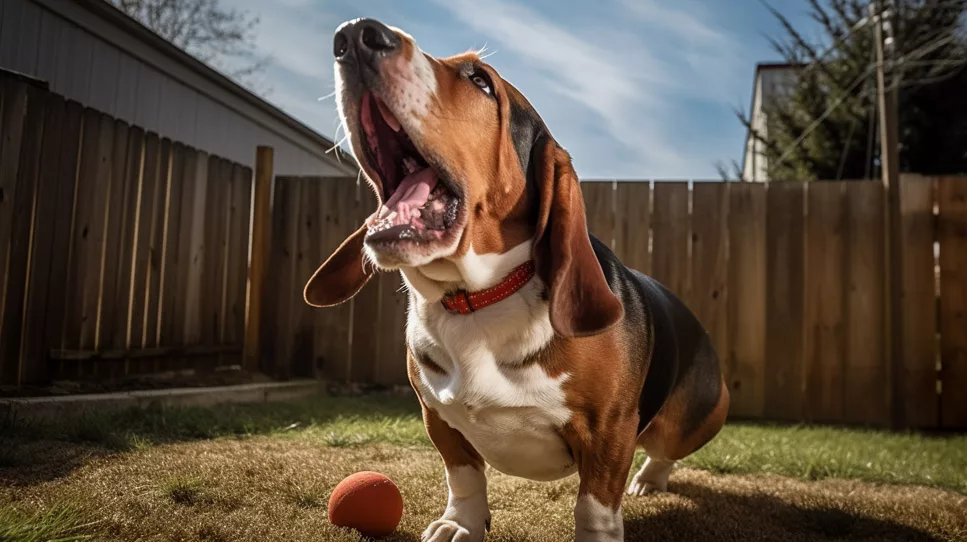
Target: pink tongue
point(412, 192)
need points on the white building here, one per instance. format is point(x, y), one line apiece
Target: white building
point(772, 82)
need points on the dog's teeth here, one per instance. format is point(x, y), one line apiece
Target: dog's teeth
point(409, 164)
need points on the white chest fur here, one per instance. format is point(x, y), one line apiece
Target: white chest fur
point(509, 410)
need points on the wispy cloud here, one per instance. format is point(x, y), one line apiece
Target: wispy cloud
point(587, 72)
point(611, 67)
point(624, 84)
point(685, 23)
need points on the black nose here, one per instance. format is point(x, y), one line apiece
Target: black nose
point(365, 39)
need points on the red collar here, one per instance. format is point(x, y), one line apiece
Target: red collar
point(463, 302)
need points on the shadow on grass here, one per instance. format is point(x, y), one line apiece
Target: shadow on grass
point(717, 515)
point(31, 453)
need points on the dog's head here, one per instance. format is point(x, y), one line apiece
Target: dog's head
point(457, 158)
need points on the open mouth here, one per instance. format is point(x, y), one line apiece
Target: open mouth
point(419, 204)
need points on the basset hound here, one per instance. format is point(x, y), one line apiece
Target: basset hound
point(530, 346)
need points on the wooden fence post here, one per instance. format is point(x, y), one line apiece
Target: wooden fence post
point(261, 224)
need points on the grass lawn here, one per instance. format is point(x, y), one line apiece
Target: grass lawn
point(264, 472)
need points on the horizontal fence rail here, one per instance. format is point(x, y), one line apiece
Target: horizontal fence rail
point(122, 252)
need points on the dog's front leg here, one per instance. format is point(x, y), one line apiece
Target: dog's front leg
point(604, 461)
point(467, 516)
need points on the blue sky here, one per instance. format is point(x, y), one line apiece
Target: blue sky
point(634, 89)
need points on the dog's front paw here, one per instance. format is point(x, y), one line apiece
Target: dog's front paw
point(447, 530)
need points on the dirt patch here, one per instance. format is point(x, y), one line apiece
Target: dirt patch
point(270, 489)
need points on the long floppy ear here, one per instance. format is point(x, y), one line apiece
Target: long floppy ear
point(581, 302)
point(342, 276)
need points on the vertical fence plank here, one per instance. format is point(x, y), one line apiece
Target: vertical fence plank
point(952, 196)
point(34, 352)
point(866, 378)
point(261, 234)
point(325, 204)
point(60, 264)
point(632, 232)
point(710, 256)
point(237, 272)
point(156, 246)
point(365, 306)
point(216, 256)
point(142, 247)
point(915, 376)
point(96, 233)
point(337, 200)
point(670, 224)
point(84, 233)
point(194, 274)
point(11, 136)
point(785, 267)
point(127, 223)
point(224, 223)
point(187, 226)
point(212, 271)
point(18, 249)
point(391, 356)
point(112, 312)
point(599, 208)
point(12, 110)
point(94, 230)
point(825, 337)
point(280, 283)
point(170, 289)
point(746, 358)
point(308, 241)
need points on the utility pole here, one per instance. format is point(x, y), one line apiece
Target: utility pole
point(890, 168)
point(887, 90)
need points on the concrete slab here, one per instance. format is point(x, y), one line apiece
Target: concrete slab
point(39, 409)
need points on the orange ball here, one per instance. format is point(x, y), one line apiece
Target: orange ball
point(368, 502)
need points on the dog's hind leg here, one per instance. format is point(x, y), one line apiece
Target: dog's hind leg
point(652, 477)
point(693, 414)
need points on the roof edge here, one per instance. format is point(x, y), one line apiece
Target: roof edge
point(762, 66)
point(107, 11)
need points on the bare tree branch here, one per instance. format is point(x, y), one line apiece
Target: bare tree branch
point(217, 35)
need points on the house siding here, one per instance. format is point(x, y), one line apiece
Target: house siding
point(88, 58)
point(772, 86)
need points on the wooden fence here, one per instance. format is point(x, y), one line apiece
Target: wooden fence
point(788, 278)
point(359, 341)
point(120, 251)
point(123, 252)
point(790, 281)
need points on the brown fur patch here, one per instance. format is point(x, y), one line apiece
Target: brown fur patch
point(601, 432)
point(663, 438)
point(469, 133)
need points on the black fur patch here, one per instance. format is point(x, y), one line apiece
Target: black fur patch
point(525, 128)
point(681, 355)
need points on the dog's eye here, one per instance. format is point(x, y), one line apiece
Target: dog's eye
point(483, 82)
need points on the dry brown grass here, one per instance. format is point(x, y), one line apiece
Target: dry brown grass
point(267, 489)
